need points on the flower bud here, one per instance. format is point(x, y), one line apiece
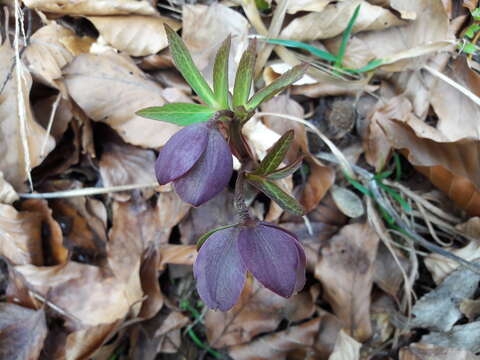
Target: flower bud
point(198, 161)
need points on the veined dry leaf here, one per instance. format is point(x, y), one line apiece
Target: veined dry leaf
point(177, 254)
point(432, 352)
point(333, 20)
point(18, 128)
point(110, 88)
point(346, 269)
point(451, 166)
point(458, 116)
point(20, 236)
point(22, 332)
point(306, 5)
point(346, 348)
point(93, 7)
point(204, 29)
point(278, 345)
point(257, 311)
point(123, 164)
point(136, 35)
point(7, 193)
point(47, 52)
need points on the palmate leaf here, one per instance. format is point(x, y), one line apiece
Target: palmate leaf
point(276, 154)
point(182, 114)
point(273, 191)
point(244, 76)
point(183, 61)
point(220, 74)
point(276, 86)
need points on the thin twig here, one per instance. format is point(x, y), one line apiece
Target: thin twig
point(50, 124)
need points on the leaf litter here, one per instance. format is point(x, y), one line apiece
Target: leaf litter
point(109, 276)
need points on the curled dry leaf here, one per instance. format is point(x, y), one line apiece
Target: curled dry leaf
point(22, 332)
point(110, 88)
point(123, 164)
point(306, 5)
point(93, 7)
point(333, 20)
point(280, 344)
point(346, 348)
point(136, 35)
point(258, 311)
point(50, 50)
point(18, 129)
point(451, 166)
point(432, 352)
point(7, 193)
point(204, 28)
point(346, 269)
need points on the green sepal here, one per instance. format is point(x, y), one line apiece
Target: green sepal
point(322, 54)
point(276, 86)
point(273, 191)
point(205, 236)
point(345, 37)
point(183, 61)
point(285, 171)
point(244, 76)
point(276, 154)
point(182, 114)
point(220, 74)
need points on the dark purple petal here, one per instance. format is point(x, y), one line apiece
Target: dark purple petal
point(272, 256)
point(181, 152)
point(219, 270)
point(210, 174)
point(301, 279)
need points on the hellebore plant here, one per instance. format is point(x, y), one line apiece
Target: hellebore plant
point(198, 161)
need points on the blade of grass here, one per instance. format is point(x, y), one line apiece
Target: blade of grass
point(300, 45)
point(345, 37)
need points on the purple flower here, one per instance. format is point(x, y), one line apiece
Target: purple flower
point(198, 161)
point(273, 255)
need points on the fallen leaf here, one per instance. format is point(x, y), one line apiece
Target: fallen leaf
point(432, 352)
point(470, 308)
point(346, 348)
point(279, 344)
point(333, 20)
point(22, 332)
point(347, 201)
point(60, 109)
point(178, 255)
point(345, 269)
point(7, 193)
point(258, 311)
point(136, 35)
point(18, 129)
point(438, 310)
point(89, 78)
point(150, 284)
point(93, 7)
point(307, 5)
point(463, 337)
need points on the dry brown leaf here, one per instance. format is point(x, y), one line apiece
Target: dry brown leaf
point(150, 284)
point(306, 5)
point(470, 4)
point(110, 88)
point(278, 345)
point(463, 337)
point(93, 7)
point(346, 348)
point(7, 193)
point(257, 311)
point(470, 308)
point(346, 269)
point(17, 119)
point(22, 332)
point(204, 28)
point(333, 20)
point(47, 52)
point(457, 117)
point(123, 164)
point(62, 115)
point(136, 35)
point(177, 254)
point(451, 166)
point(432, 352)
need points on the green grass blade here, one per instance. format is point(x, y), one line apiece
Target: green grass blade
point(182, 114)
point(300, 45)
point(345, 37)
point(220, 74)
point(183, 61)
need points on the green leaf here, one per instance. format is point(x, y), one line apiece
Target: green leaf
point(345, 37)
point(476, 14)
point(286, 171)
point(182, 114)
point(187, 68)
point(369, 67)
point(469, 48)
point(262, 5)
point(276, 86)
point(300, 45)
point(276, 154)
point(205, 236)
point(220, 74)
point(472, 30)
point(274, 192)
point(244, 76)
